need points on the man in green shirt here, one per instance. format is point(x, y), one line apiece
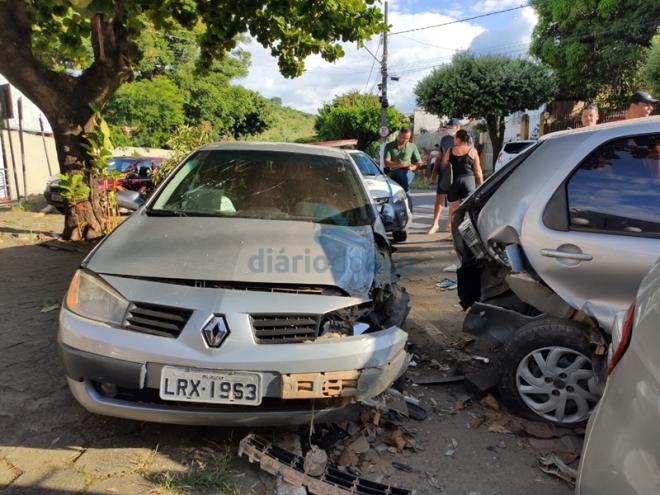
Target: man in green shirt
point(402, 157)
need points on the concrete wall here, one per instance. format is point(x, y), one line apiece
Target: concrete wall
point(36, 165)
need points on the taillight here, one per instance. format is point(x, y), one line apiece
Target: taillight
point(626, 332)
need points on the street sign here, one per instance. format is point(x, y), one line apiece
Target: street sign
point(384, 131)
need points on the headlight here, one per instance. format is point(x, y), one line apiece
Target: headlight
point(399, 196)
point(92, 298)
point(344, 321)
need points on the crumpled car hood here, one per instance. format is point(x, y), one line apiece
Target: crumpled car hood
point(239, 250)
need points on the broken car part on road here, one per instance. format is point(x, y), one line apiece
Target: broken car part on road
point(330, 481)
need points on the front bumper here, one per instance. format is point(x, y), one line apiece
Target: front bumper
point(402, 217)
point(96, 353)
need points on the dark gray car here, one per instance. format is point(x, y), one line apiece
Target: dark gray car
point(553, 246)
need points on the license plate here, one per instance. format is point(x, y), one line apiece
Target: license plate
point(216, 387)
point(56, 197)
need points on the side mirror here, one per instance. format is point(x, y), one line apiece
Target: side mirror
point(387, 214)
point(131, 200)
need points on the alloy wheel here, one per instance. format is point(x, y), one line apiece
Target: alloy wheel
point(558, 384)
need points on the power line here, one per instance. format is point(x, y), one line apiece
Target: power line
point(463, 20)
point(372, 65)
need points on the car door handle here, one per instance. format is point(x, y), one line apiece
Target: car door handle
point(553, 253)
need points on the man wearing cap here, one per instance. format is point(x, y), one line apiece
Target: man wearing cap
point(446, 142)
point(402, 157)
point(639, 105)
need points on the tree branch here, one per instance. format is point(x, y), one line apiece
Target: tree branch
point(48, 89)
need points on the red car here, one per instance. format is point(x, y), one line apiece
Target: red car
point(135, 177)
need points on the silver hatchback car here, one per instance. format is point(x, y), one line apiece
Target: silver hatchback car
point(553, 246)
point(255, 286)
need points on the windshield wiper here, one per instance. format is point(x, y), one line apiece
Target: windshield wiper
point(166, 213)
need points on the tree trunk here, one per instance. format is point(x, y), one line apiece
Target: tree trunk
point(67, 100)
point(495, 125)
point(82, 221)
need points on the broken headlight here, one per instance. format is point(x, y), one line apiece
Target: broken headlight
point(91, 297)
point(344, 322)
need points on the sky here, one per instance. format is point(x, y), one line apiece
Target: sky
point(411, 55)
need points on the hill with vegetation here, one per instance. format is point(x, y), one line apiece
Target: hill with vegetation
point(288, 125)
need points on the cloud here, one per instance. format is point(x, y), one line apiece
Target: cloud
point(494, 5)
point(512, 39)
point(411, 56)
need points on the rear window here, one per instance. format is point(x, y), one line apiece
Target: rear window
point(617, 188)
point(266, 185)
point(515, 148)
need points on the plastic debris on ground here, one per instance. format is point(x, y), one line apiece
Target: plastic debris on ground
point(291, 468)
point(551, 464)
point(447, 284)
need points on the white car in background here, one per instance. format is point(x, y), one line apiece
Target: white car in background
point(510, 151)
point(385, 191)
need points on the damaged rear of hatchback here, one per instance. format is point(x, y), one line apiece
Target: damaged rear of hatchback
point(254, 287)
point(552, 249)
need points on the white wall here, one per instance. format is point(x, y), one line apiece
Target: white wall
point(31, 112)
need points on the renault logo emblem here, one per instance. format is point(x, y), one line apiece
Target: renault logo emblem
point(215, 331)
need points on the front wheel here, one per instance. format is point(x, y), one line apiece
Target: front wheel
point(547, 373)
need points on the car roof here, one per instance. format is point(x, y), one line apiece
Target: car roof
point(641, 125)
point(303, 149)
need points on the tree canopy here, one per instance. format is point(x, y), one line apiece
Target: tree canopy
point(70, 56)
point(596, 47)
point(487, 86)
point(650, 71)
point(355, 115)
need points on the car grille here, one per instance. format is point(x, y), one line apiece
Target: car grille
point(284, 329)
point(154, 319)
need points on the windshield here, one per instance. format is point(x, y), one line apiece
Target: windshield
point(266, 185)
point(366, 165)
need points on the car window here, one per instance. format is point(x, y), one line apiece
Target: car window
point(617, 188)
point(366, 165)
point(267, 185)
point(120, 164)
point(513, 148)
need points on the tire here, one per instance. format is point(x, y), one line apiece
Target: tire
point(399, 236)
point(533, 384)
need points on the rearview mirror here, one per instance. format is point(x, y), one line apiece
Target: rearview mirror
point(131, 200)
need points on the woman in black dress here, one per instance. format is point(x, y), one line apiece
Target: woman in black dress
point(465, 169)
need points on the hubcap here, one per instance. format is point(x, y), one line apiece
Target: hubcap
point(558, 384)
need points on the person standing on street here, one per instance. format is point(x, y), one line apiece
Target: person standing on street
point(589, 115)
point(446, 143)
point(639, 105)
point(402, 158)
point(462, 162)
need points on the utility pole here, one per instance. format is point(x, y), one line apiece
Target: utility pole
point(384, 131)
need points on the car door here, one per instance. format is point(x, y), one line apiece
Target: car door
point(600, 232)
